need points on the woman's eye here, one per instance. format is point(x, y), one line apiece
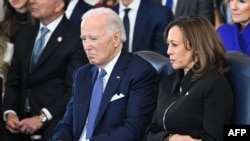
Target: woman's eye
point(174, 44)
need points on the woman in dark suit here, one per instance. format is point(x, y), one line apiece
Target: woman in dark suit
point(196, 100)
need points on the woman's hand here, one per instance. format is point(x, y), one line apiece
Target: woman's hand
point(178, 137)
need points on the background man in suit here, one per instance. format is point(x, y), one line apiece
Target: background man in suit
point(129, 95)
point(147, 23)
point(76, 9)
point(203, 8)
point(36, 94)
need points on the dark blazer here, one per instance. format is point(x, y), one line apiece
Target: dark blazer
point(200, 109)
point(80, 8)
point(151, 20)
point(203, 8)
point(123, 119)
point(48, 84)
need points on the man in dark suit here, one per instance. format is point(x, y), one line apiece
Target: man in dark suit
point(76, 9)
point(203, 8)
point(130, 86)
point(37, 93)
point(147, 23)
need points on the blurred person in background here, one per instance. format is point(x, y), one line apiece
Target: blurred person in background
point(107, 3)
point(76, 9)
point(204, 8)
point(147, 21)
point(222, 13)
point(16, 17)
point(236, 35)
point(39, 80)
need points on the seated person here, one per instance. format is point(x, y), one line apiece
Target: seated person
point(196, 101)
point(127, 97)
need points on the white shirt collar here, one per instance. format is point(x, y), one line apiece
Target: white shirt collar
point(133, 5)
point(111, 65)
point(52, 26)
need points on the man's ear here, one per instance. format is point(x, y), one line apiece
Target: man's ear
point(117, 37)
point(59, 5)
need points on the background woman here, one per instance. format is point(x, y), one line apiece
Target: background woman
point(16, 16)
point(236, 36)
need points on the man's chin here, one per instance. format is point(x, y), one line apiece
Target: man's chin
point(92, 62)
point(34, 15)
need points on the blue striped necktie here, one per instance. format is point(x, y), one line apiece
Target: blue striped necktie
point(37, 51)
point(95, 103)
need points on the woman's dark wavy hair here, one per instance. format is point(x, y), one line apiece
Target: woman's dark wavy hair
point(207, 49)
point(4, 66)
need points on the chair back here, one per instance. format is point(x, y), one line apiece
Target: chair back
point(161, 63)
point(239, 77)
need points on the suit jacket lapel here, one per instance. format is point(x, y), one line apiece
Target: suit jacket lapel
point(84, 95)
point(140, 23)
point(54, 41)
point(113, 82)
point(31, 37)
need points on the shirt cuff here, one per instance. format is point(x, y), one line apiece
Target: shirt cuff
point(47, 113)
point(6, 112)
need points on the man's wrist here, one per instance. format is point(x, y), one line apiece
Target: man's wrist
point(42, 117)
point(47, 113)
point(8, 112)
point(168, 137)
point(10, 115)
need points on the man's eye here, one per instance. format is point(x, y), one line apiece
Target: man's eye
point(243, 1)
point(82, 37)
point(93, 39)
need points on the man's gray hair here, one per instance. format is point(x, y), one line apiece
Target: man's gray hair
point(114, 21)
